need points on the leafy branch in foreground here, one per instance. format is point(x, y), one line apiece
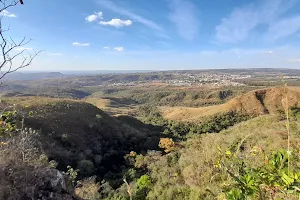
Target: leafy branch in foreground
point(275, 179)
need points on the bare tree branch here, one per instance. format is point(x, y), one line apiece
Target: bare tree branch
point(11, 50)
point(6, 5)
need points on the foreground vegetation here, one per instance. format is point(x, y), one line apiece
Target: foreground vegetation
point(227, 156)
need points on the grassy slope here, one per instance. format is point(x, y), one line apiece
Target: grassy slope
point(255, 102)
point(199, 154)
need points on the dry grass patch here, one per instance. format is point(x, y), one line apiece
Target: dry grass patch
point(34, 101)
point(256, 102)
point(98, 102)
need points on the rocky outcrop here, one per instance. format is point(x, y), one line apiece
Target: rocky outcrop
point(33, 183)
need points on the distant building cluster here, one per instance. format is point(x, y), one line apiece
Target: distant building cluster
point(291, 77)
point(188, 79)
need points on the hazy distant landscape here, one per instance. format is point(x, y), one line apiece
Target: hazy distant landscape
point(149, 100)
point(143, 126)
point(57, 84)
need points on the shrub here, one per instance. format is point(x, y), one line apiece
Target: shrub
point(295, 112)
point(143, 182)
point(8, 121)
point(143, 185)
point(167, 144)
point(88, 189)
point(86, 168)
point(272, 180)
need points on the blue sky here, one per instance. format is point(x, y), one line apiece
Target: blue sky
point(158, 34)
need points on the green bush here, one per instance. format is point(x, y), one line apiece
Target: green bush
point(295, 112)
point(143, 185)
point(143, 182)
point(8, 123)
point(276, 178)
point(86, 168)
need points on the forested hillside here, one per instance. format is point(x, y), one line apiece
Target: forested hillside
point(147, 156)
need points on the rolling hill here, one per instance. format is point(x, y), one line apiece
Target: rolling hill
point(257, 102)
point(73, 132)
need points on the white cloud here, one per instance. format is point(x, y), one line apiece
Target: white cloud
point(284, 28)
point(268, 52)
point(242, 21)
point(294, 60)
point(119, 49)
point(138, 18)
point(94, 17)
point(55, 54)
point(117, 23)
point(8, 14)
point(81, 44)
point(183, 15)
point(23, 49)
point(234, 28)
point(110, 5)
